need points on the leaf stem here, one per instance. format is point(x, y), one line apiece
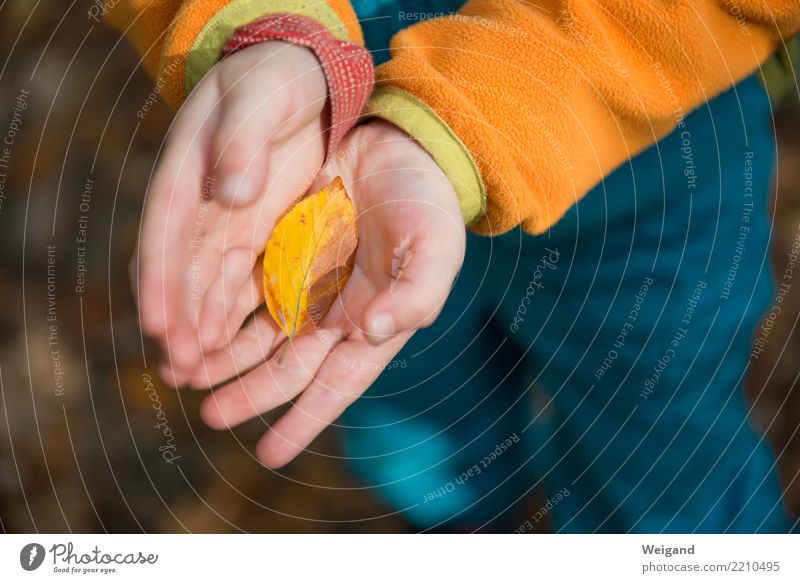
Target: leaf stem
point(283, 352)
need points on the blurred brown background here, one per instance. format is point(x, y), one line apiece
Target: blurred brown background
point(85, 456)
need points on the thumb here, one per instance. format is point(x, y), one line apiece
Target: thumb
point(421, 278)
point(239, 150)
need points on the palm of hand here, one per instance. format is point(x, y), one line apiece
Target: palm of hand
point(411, 245)
point(238, 146)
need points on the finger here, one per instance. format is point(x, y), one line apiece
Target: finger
point(422, 274)
point(172, 202)
point(205, 262)
point(239, 149)
point(349, 371)
point(244, 306)
point(254, 344)
point(247, 300)
point(222, 296)
point(171, 377)
point(281, 379)
point(180, 344)
point(293, 168)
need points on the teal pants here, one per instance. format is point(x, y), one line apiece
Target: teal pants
point(601, 363)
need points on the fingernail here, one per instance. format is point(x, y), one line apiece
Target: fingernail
point(381, 327)
point(236, 189)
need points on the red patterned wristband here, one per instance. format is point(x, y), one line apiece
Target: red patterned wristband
point(347, 66)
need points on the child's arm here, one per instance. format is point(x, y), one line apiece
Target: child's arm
point(541, 101)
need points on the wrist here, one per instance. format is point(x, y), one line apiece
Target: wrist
point(380, 151)
point(386, 142)
point(437, 138)
point(347, 67)
point(291, 67)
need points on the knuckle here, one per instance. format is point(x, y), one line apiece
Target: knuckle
point(234, 146)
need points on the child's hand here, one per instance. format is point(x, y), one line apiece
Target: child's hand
point(256, 126)
point(411, 246)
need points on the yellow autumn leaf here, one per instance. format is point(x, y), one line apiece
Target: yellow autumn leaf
point(309, 257)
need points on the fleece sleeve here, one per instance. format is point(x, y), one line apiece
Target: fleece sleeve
point(528, 105)
point(180, 40)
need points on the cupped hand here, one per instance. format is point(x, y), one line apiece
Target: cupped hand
point(247, 140)
point(411, 247)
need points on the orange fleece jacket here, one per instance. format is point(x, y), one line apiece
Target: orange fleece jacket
point(551, 96)
point(547, 97)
